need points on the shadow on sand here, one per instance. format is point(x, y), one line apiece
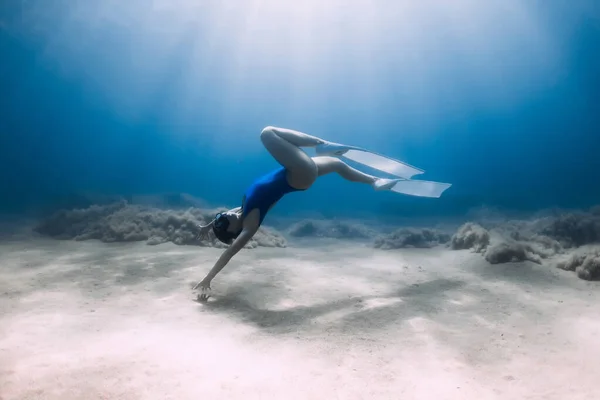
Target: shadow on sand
point(406, 302)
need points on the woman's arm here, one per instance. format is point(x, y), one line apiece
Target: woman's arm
point(238, 244)
point(250, 228)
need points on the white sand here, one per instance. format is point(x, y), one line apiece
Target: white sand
point(86, 320)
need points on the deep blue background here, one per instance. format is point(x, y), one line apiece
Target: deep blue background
point(504, 104)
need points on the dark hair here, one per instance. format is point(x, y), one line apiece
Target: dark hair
point(220, 225)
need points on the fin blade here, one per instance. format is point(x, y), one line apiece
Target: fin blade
point(421, 188)
point(382, 163)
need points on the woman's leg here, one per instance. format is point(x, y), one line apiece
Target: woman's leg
point(327, 165)
point(284, 145)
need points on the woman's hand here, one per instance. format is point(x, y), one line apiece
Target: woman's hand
point(203, 231)
point(204, 287)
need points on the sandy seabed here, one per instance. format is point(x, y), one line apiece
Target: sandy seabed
point(316, 320)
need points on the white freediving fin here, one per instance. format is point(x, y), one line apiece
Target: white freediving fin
point(370, 159)
point(420, 188)
point(382, 163)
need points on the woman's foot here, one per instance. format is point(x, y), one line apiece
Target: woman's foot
point(331, 149)
point(385, 184)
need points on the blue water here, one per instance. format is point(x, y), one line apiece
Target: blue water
point(500, 98)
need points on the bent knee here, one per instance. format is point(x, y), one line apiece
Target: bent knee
point(267, 132)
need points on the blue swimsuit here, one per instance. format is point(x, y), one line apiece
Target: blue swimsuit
point(265, 192)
